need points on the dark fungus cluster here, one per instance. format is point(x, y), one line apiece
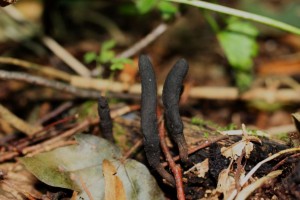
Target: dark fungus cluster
point(171, 94)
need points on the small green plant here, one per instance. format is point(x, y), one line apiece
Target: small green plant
point(167, 9)
point(107, 56)
point(197, 121)
point(237, 38)
point(229, 127)
point(206, 135)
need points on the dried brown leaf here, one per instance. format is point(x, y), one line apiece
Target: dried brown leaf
point(17, 183)
point(226, 183)
point(114, 189)
point(199, 169)
point(234, 151)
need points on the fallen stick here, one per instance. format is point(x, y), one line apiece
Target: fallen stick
point(85, 88)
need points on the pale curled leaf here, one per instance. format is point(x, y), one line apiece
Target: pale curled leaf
point(74, 165)
point(226, 183)
point(234, 151)
point(199, 169)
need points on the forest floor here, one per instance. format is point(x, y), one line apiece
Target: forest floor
point(242, 143)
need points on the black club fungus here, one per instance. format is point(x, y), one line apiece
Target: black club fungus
point(171, 95)
point(149, 117)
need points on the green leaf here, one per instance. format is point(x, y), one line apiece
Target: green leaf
point(109, 44)
point(89, 57)
point(117, 66)
point(167, 7)
point(122, 60)
point(106, 56)
point(243, 80)
point(239, 44)
point(237, 25)
point(71, 166)
point(118, 63)
point(145, 6)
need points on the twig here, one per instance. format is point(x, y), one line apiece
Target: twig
point(155, 33)
point(205, 92)
point(17, 122)
point(79, 127)
point(215, 93)
point(63, 107)
point(176, 170)
point(202, 146)
point(64, 55)
point(59, 138)
point(52, 146)
point(8, 156)
point(284, 160)
point(45, 70)
point(49, 126)
point(137, 145)
point(20, 76)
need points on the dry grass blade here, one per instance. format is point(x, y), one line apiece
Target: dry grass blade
point(17, 123)
point(250, 188)
point(247, 177)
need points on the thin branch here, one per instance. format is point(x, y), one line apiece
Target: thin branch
point(137, 145)
point(241, 14)
point(83, 87)
point(79, 127)
point(45, 70)
point(51, 147)
point(205, 144)
point(17, 122)
point(176, 170)
point(20, 76)
point(155, 33)
point(205, 92)
point(65, 56)
point(60, 109)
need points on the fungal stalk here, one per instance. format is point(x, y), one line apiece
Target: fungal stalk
point(149, 118)
point(105, 124)
point(171, 95)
